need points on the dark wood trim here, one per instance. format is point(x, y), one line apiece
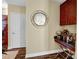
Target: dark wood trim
point(65, 45)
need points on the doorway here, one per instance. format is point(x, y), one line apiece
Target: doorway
point(17, 30)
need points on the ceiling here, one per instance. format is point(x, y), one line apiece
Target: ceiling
point(15, 2)
point(23, 2)
point(60, 1)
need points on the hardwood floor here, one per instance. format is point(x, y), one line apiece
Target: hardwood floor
point(21, 53)
point(15, 53)
point(50, 56)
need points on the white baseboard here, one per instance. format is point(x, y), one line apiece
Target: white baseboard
point(43, 53)
point(15, 47)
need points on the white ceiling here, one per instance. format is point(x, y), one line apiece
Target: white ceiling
point(59, 1)
point(23, 2)
point(15, 2)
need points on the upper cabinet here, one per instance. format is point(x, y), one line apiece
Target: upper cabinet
point(68, 12)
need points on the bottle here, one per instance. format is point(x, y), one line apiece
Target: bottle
point(67, 39)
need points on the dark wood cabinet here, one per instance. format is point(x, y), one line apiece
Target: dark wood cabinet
point(4, 33)
point(68, 12)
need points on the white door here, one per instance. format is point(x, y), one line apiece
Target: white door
point(17, 30)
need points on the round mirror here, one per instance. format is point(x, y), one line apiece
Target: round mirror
point(39, 18)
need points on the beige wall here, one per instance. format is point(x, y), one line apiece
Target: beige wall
point(71, 28)
point(42, 39)
point(54, 24)
point(13, 8)
point(4, 9)
point(37, 38)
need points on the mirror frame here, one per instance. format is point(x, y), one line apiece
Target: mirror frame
point(37, 12)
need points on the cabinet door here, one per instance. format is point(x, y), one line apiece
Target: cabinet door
point(72, 12)
point(63, 14)
point(68, 12)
